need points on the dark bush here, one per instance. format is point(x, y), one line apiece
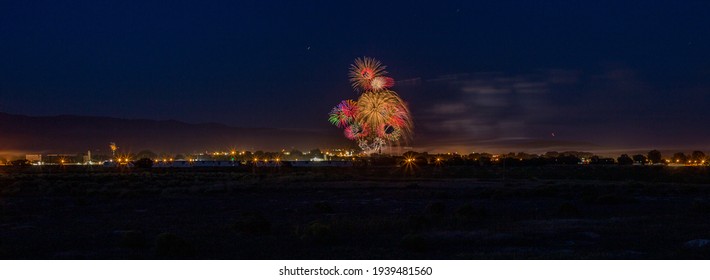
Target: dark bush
point(171, 246)
point(20, 162)
point(322, 207)
point(414, 242)
point(700, 207)
point(131, 238)
point(418, 222)
point(318, 232)
point(252, 223)
point(568, 210)
point(613, 199)
point(471, 212)
point(144, 163)
point(435, 208)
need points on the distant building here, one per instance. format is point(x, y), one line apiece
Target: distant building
point(87, 157)
point(196, 163)
point(63, 158)
point(168, 164)
point(214, 163)
point(34, 158)
point(268, 163)
point(320, 163)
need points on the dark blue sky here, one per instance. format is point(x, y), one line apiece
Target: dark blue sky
point(617, 74)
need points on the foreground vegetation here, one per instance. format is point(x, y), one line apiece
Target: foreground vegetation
point(410, 211)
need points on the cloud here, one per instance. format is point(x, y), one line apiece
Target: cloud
point(612, 108)
point(451, 108)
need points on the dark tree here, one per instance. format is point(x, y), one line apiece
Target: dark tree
point(455, 160)
point(679, 158)
point(316, 153)
point(568, 159)
point(594, 160)
point(655, 156)
point(639, 158)
point(259, 154)
point(410, 154)
point(625, 160)
point(143, 163)
point(147, 154)
point(698, 156)
point(20, 162)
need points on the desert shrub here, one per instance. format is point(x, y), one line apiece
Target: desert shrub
point(322, 207)
point(128, 194)
point(414, 242)
point(171, 246)
point(471, 212)
point(252, 223)
point(418, 222)
point(547, 191)
point(613, 199)
point(131, 238)
point(318, 232)
point(440, 195)
point(700, 207)
point(435, 208)
point(143, 163)
point(20, 162)
point(568, 209)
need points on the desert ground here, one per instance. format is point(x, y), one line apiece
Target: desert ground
point(427, 212)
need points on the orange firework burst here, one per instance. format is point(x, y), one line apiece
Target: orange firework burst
point(384, 109)
point(379, 117)
point(364, 71)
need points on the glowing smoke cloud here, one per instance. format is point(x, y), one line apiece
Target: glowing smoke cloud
point(379, 117)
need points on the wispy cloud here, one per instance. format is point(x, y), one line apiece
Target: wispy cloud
point(611, 108)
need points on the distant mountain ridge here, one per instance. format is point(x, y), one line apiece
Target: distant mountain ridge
point(74, 134)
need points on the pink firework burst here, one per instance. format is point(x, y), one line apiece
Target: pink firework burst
point(344, 113)
point(348, 108)
point(379, 83)
point(355, 131)
point(364, 71)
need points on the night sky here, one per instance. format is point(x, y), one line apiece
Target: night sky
point(518, 75)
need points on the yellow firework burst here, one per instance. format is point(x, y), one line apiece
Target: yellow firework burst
point(385, 113)
point(379, 117)
point(364, 71)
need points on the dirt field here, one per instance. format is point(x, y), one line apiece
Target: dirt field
point(552, 212)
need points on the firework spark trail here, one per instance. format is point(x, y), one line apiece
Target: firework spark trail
point(379, 117)
point(343, 114)
point(356, 131)
point(380, 83)
point(364, 71)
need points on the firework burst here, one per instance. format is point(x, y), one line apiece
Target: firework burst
point(343, 114)
point(382, 109)
point(356, 131)
point(379, 117)
point(380, 83)
point(364, 71)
